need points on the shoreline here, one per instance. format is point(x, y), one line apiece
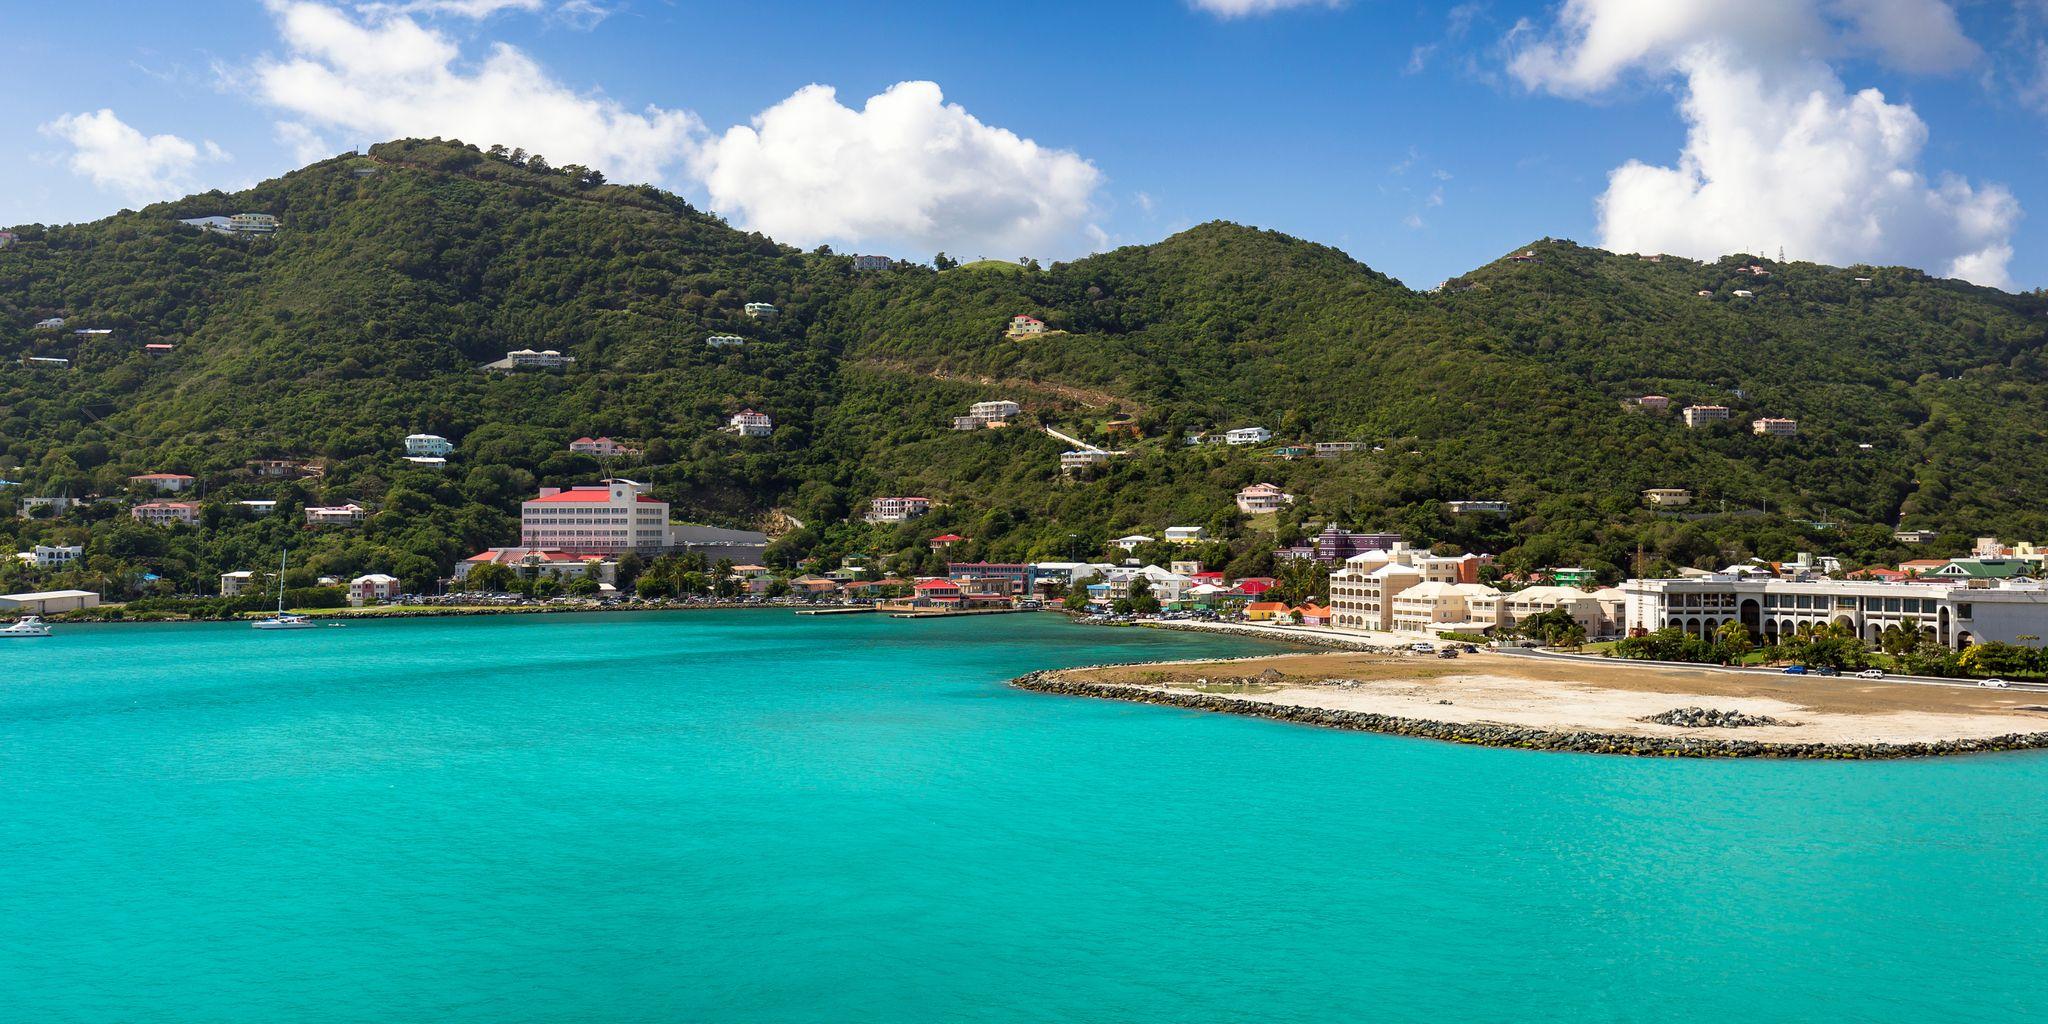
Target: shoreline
point(1553, 715)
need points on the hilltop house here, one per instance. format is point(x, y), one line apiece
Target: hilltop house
point(529, 359)
point(1080, 459)
point(1261, 498)
point(761, 310)
point(1774, 427)
point(1248, 435)
point(897, 509)
point(1653, 403)
point(871, 263)
point(1023, 324)
point(350, 514)
point(1700, 415)
point(433, 445)
point(748, 423)
point(1667, 497)
point(165, 513)
point(1186, 535)
point(164, 483)
point(725, 341)
point(602, 447)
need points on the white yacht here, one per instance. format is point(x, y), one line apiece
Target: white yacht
point(27, 625)
point(283, 620)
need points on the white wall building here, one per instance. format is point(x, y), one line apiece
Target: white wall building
point(1955, 615)
point(1700, 415)
point(610, 516)
point(1259, 498)
point(897, 509)
point(433, 445)
point(748, 423)
point(1248, 435)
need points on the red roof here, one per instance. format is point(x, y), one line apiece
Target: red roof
point(1253, 587)
point(937, 585)
point(160, 476)
point(1027, 316)
point(947, 538)
point(587, 495)
point(1267, 606)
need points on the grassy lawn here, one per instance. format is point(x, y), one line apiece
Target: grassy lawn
point(1001, 265)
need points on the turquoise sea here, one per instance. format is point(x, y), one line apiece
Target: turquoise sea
point(750, 816)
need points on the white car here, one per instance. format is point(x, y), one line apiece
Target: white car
point(1999, 683)
point(1423, 648)
point(1871, 673)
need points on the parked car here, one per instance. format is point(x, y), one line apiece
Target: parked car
point(1999, 683)
point(1448, 652)
point(1827, 670)
point(1795, 670)
point(1423, 648)
point(1871, 673)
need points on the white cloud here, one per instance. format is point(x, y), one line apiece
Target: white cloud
point(907, 167)
point(1778, 151)
point(1249, 8)
point(307, 145)
point(461, 8)
point(387, 76)
point(114, 156)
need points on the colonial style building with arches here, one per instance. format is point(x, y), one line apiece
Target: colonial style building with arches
point(1955, 615)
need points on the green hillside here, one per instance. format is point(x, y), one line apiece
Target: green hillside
point(396, 276)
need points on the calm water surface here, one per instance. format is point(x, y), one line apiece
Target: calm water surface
point(749, 816)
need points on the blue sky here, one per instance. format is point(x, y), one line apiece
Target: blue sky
point(1424, 139)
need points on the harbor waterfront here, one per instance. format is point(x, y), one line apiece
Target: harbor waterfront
point(736, 815)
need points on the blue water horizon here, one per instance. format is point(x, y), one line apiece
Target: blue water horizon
point(751, 816)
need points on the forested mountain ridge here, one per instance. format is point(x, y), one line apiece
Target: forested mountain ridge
point(396, 275)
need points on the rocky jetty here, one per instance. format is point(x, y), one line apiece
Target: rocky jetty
point(1709, 718)
point(1057, 682)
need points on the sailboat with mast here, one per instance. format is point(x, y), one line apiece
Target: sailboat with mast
point(282, 620)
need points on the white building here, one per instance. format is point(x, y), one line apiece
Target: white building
point(725, 341)
point(1667, 497)
point(748, 423)
point(1599, 612)
point(1082, 459)
point(1248, 435)
point(1434, 605)
point(1468, 508)
point(1697, 416)
point(1774, 427)
point(1332, 449)
point(610, 516)
point(350, 514)
point(602, 447)
point(1261, 498)
point(428, 444)
point(897, 509)
point(1131, 542)
point(252, 223)
point(53, 556)
point(50, 323)
point(259, 506)
point(164, 483)
point(48, 602)
point(233, 584)
point(433, 462)
point(1022, 324)
point(871, 263)
point(761, 310)
point(997, 410)
point(1186, 535)
point(1955, 615)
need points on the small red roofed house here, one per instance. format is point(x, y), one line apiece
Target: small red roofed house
point(1312, 615)
point(936, 592)
point(946, 540)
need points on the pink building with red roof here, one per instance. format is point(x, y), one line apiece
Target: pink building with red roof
point(608, 517)
point(602, 447)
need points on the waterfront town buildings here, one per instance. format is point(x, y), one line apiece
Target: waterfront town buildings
point(748, 423)
point(897, 509)
point(165, 483)
point(1769, 426)
point(1697, 416)
point(1262, 497)
point(166, 513)
point(1953, 614)
point(1334, 545)
point(429, 445)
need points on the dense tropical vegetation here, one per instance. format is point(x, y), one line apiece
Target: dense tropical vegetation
point(397, 274)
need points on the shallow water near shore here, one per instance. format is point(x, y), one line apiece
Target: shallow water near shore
point(751, 816)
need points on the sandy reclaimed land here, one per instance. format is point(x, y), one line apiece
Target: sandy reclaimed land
point(1561, 696)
